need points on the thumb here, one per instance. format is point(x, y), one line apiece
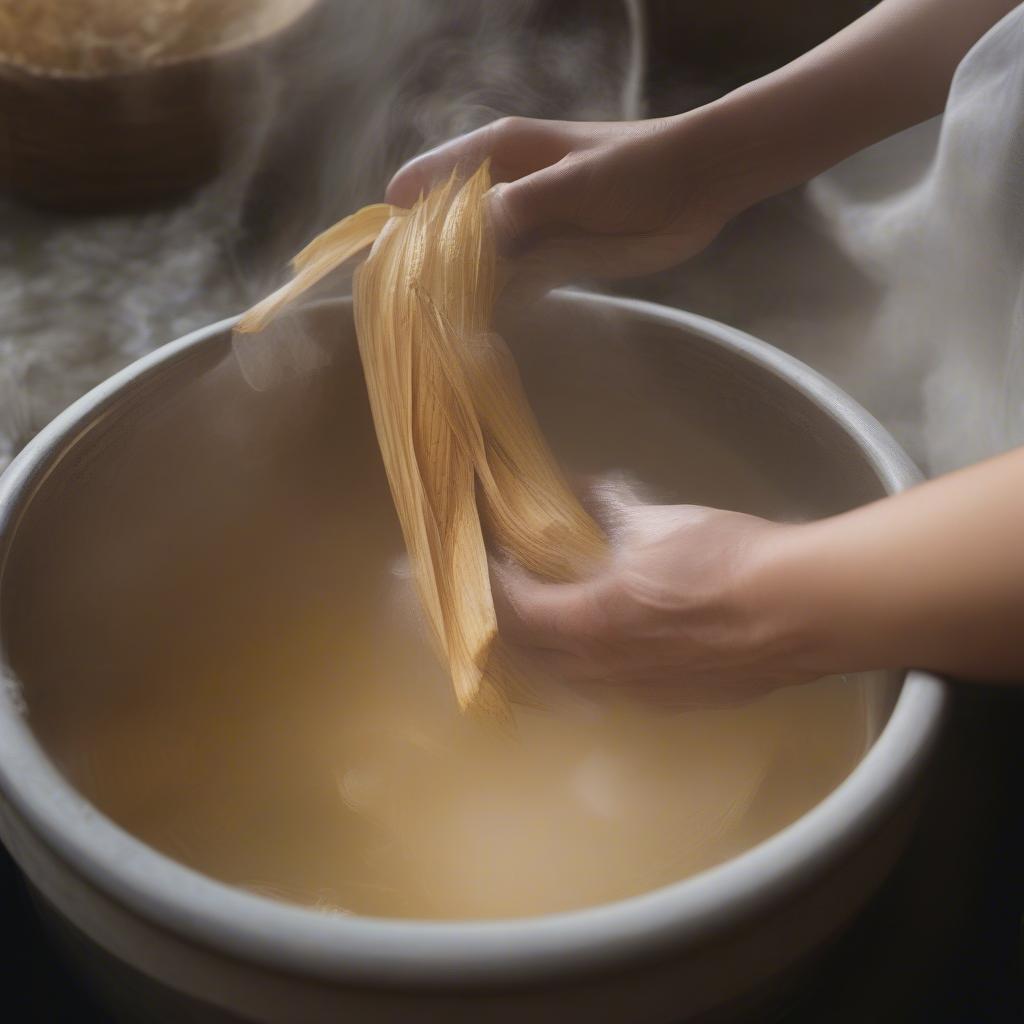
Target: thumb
point(529, 206)
point(548, 616)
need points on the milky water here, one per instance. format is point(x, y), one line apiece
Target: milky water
point(216, 649)
point(358, 786)
point(314, 752)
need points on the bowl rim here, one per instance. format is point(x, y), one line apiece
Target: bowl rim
point(369, 951)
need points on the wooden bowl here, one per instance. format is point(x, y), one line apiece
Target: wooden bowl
point(124, 140)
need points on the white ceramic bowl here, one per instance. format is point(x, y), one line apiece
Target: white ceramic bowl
point(163, 943)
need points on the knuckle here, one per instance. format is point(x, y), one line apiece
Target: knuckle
point(506, 127)
point(509, 125)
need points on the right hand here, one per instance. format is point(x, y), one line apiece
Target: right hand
point(685, 614)
point(600, 199)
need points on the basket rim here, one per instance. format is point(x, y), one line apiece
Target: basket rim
point(292, 14)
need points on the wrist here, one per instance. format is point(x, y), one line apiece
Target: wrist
point(843, 597)
point(795, 598)
point(737, 149)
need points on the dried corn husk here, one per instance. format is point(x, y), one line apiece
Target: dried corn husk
point(464, 455)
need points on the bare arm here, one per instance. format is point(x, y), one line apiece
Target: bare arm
point(710, 606)
point(701, 606)
point(888, 70)
point(933, 578)
point(620, 198)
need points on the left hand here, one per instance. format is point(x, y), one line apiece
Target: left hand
point(591, 199)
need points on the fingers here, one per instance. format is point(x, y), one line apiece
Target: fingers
point(534, 183)
point(516, 146)
point(565, 634)
point(532, 205)
point(652, 685)
point(577, 254)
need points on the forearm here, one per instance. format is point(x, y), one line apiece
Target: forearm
point(932, 578)
point(887, 71)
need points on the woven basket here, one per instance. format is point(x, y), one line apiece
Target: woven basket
point(127, 140)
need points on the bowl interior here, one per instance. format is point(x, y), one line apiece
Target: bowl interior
point(206, 571)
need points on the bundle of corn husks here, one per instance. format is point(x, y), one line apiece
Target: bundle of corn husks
point(100, 36)
point(465, 459)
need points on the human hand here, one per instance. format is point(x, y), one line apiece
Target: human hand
point(683, 614)
point(620, 198)
point(594, 199)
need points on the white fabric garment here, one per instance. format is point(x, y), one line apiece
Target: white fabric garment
point(948, 253)
point(900, 273)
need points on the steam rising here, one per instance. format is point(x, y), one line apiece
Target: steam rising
point(899, 273)
point(316, 133)
point(403, 76)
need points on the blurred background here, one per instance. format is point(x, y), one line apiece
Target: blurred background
point(161, 160)
point(142, 200)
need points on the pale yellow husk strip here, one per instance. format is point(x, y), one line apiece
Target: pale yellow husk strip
point(464, 455)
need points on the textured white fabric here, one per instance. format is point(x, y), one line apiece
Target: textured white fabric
point(900, 273)
point(947, 252)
